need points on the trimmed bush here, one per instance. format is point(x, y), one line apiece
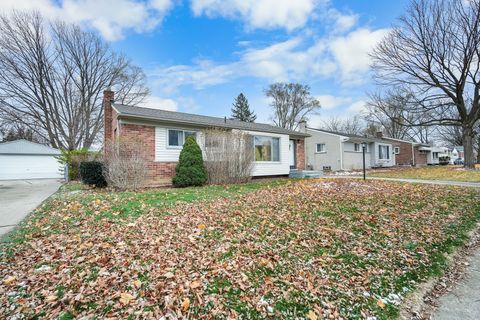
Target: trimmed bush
point(91, 173)
point(73, 158)
point(190, 170)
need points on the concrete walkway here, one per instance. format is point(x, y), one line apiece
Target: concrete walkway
point(439, 182)
point(463, 302)
point(19, 197)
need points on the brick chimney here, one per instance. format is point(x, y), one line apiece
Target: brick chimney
point(302, 126)
point(108, 98)
point(379, 134)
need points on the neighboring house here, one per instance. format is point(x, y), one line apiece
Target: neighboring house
point(434, 153)
point(408, 153)
point(458, 152)
point(327, 150)
point(163, 133)
point(22, 159)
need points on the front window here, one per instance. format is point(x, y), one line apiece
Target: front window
point(267, 148)
point(435, 155)
point(357, 147)
point(176, 138)
point(383, 152)
point(397, 150)
point(320, 147)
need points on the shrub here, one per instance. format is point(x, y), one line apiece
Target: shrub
point(228, 156)
point(125, 164)
point(73, 158)
point(91, 173)
point(444, 160)
point(190, 170)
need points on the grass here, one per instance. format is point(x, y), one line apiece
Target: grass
point(447, 173)
point(272, 249)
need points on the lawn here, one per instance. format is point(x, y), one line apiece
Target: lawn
point(278, 249)
point(448, 173)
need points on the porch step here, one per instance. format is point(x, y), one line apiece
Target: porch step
point(305, 174)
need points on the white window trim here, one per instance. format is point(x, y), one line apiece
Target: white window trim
point(168, 146)
point(396, 150)
point(279, 161)
point(387, 153)
point(324, 148)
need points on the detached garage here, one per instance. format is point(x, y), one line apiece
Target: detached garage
point(22, 159)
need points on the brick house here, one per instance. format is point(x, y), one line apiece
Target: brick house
point(162, 134)
point(408, 153)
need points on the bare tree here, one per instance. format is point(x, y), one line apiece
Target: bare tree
point(291, 103)
point(52, 75)
point(353, 125)
point(126, 164)
point(228, 156)
point(434, 53)
point(391, 112)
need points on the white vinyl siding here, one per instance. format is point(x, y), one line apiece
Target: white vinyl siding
point(163, 153)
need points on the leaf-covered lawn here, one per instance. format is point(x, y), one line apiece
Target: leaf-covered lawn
point(448, 173)
point(301, 249)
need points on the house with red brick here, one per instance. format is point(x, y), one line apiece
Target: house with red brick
point(162, 134)
point(409, 153)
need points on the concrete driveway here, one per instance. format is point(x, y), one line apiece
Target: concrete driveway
point(19, 197)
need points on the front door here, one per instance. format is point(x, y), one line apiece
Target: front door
point(291, 148)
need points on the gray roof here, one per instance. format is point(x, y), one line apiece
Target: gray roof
point(126, 111)
point(352, 137)
point(22, 146)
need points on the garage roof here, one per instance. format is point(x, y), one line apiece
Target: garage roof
point(22, 146)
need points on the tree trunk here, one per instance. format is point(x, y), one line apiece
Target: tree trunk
point(469, 157)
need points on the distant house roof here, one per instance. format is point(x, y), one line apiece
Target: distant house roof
point(125, 111)
point(352, 137)
point(408, 141)
point(22, 146)
point(459, 148)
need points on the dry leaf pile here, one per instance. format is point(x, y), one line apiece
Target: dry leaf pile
point(308, 249)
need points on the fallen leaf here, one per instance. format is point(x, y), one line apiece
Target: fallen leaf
point(137, 283)
point(51, 298)
point(311, 315)
point(380, 303)
point(201, 226)
point(169, 275)
point(10, 280)
point(186, 304)
point(195, 284)
point(126, 297)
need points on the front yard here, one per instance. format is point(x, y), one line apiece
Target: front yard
point(447, 173)
point(278, 249)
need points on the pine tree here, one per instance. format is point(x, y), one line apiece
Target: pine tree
point(190, 170)
point(241, 110)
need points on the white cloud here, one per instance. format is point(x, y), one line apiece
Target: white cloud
point(357, 107)
point(339, 57)
point(266, 14)
point(351, 51)
point(155, 102)
point(329, 102)
point(110, 17)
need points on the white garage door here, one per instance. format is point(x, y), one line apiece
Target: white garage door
point(29, 167)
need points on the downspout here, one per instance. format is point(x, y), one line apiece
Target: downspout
point(413, 155)
point(341, 154)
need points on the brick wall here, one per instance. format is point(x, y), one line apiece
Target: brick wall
point(300, 150)
point(420, 157)
point(159, 173)
point(405, 157)
point(108, 119)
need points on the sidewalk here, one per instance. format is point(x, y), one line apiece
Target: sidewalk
point(463, 302)
point(438, 182)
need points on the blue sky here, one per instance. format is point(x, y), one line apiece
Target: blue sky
point(200, 54)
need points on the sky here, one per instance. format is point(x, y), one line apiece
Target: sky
point(198, 55)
